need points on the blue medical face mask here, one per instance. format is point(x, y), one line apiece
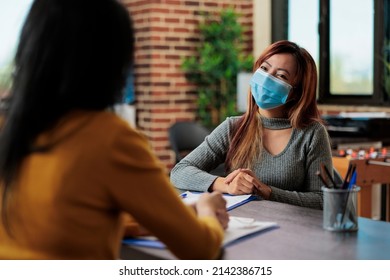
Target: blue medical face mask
point(269, 92)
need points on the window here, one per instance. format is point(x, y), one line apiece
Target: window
point(304, 27)
point(350, 42)
point(12, 16)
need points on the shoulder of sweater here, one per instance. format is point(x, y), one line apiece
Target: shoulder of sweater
point(233, 119)
point(314, 126)
point(107, 126)
point(117, 140)
point(226, 125)
point(111, 121)
point(315, 130)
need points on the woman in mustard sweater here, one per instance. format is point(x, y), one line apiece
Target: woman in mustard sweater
point(69, 168)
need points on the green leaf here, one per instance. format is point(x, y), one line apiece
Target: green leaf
point(214, 69)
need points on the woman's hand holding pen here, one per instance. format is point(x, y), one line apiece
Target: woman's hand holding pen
point(244, 181)
point(213, 204)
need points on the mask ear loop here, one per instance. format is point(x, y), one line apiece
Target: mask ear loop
point(292, 96)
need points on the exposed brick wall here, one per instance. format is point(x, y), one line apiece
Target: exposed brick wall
point(165, 32)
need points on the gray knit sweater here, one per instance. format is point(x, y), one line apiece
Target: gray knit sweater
point(290, 174)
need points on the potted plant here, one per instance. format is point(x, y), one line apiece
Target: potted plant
point(5, 79)
point(215, 67)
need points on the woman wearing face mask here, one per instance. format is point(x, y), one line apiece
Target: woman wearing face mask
point(277, 146)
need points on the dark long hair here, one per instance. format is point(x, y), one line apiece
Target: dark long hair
point(72, 54)
point(302, 110)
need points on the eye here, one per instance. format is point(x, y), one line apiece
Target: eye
point(282, 76)
point(264, 68)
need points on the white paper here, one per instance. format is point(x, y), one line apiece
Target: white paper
point(239, 227)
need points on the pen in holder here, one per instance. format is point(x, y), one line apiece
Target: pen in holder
point(340, 209)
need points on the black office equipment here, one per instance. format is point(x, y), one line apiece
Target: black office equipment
point(358, 128)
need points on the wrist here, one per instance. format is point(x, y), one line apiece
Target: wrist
point(219, 185)
point(265, 191)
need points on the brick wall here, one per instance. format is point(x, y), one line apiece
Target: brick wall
point(165, 32)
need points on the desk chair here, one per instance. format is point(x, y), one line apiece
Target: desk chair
point(185, 137)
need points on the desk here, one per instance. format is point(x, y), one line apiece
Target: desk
point(300, 236)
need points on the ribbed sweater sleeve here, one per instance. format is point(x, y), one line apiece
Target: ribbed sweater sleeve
point(291, 174)
point(191, 173)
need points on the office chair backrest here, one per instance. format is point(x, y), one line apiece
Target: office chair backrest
point(186, 136)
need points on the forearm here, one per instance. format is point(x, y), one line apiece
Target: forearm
point(311, 199)
point(187, 177)
point(192, 172)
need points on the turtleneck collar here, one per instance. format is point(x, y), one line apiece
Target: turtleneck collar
point(275, 123)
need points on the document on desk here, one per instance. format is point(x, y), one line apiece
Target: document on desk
point(232, 201)
point(238, 229)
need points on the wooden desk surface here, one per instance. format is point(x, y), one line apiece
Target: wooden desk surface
point(300, 236)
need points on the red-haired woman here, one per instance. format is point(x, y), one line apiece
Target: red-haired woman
point(277, 146)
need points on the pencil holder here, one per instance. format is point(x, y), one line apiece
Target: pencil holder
point(340, 213)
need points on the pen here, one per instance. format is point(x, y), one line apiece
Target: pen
point(318, 173)
point(352, 182)
point(183, 195)
point(345, 183)
point(327, 173)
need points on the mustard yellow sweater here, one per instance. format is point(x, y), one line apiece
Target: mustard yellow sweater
point(68, 202)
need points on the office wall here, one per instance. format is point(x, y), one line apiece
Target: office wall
point(165, 32)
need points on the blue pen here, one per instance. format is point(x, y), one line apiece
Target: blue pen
point(348, 204)
point(183, 195)
point(352, 182)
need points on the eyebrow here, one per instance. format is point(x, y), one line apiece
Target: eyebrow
point(285, 70)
